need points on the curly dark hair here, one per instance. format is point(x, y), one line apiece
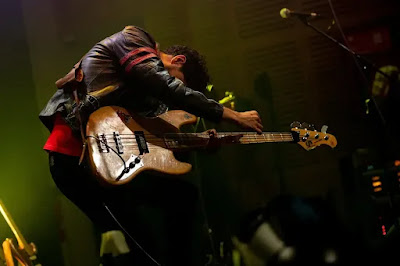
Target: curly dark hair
point(194, 69)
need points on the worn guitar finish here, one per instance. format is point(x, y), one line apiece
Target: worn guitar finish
point(122, 144)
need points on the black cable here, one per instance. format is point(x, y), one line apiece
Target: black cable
point(202, 201)
point(204, 212)
point(130, 236)
point(112, 215)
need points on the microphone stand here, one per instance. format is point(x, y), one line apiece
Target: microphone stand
point(393, 81)
point(390, 129)
point(364, 61)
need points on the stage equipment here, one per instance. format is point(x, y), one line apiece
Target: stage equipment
point(287, 231)
point(384, 188)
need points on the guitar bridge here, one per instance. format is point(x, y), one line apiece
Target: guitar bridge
point(102, 143)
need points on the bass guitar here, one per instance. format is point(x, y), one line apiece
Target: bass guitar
point(122, 144)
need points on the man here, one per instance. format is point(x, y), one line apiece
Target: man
point(145, 80)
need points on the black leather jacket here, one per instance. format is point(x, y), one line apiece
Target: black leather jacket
point(146, 87)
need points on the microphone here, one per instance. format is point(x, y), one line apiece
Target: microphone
point(286, 13)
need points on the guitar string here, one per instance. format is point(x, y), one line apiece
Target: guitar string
point(191, 136)
point(241, 140)
point(159, 142)
point(220, 133)
point(155, 145)
point(206, 139)
point(155, 139)
point(172, 144)
point(188, 136)
point(247, 138)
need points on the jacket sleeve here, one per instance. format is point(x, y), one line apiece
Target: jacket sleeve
point(139, 61)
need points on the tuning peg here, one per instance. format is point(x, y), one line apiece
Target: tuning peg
point(305, 125)
point(295, 124)
point(324, 129)
point(308, 126)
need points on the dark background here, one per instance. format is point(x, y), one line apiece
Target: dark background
point(279, 67)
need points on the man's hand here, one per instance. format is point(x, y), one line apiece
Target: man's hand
point(251, 120)
point(212, 133)
point(247, 119)
point(213, 142)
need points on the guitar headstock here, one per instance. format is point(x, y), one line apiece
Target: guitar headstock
point(309, 138)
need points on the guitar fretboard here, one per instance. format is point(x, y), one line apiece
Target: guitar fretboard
point(193, 140)
point(251, 137)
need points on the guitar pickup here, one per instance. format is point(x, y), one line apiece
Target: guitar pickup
point(118, 142)
point(102, 143)
point(141, 142)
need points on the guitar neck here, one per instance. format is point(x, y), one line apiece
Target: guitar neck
point(199, 140)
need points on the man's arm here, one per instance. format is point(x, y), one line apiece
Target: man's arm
point(171, 90)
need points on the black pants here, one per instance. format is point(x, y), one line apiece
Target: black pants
point(160, 213)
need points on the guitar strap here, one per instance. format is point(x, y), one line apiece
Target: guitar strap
point(72, 83)
point(79, 79)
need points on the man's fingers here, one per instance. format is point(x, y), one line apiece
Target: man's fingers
point(256, 115)
point(259, 127)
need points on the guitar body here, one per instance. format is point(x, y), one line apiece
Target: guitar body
point(116, 137)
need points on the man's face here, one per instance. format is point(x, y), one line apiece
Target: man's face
point(177, 73)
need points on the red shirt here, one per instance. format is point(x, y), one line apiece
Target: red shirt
point(62, 139)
